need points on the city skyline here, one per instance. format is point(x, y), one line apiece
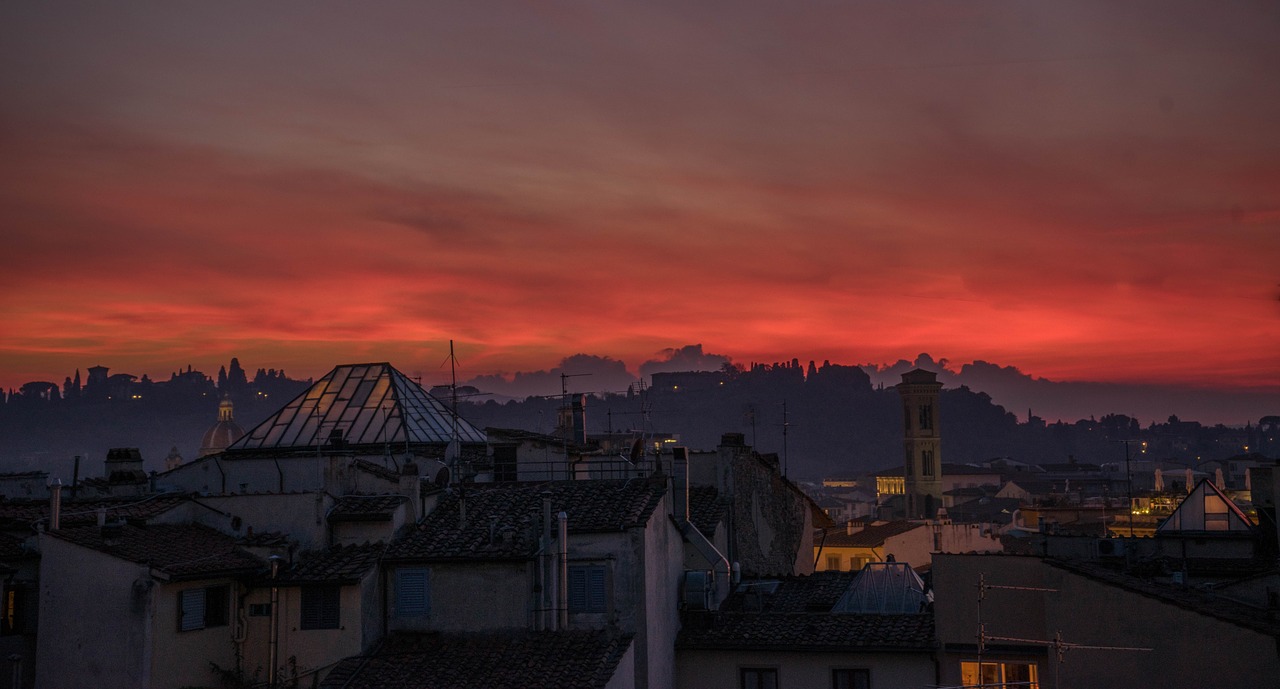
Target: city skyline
point(1087, 193)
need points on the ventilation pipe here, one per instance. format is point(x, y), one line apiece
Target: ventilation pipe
point(562, 570)
point(55, 505)
point(546, 601)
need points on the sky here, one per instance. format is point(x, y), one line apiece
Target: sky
point(1084, 191)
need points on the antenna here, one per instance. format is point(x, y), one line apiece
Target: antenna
point(785, 425)
point(453, 452)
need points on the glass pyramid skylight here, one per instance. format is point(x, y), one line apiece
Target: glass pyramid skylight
point(363, 404)
point(887, 588)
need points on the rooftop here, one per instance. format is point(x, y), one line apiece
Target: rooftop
point(706, 509)
point(804, 631)
point(870, 537)
point(365, 508)
point(78, 512)
point(515, 660)
point(337, 565)
point(360, 404)
point(503, 520)
point(180, 551)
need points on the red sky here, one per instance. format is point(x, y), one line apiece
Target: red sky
point(1084, 190)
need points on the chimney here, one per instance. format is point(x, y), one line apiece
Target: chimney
point(851, 528)
point(680, 483)
point(55, 505)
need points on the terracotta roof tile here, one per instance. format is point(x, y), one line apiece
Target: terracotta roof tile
point(811, 631)
point(817, 592)
point(503, 521)
point(182, 551)
point(359, 508)
point(80, 512)
point(870, 537)
point(706, 509)
point(516, 660)
point(336, 565)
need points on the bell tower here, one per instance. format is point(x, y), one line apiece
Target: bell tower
point(922, 443)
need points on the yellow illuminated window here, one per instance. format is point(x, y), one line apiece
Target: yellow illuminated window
point(999, 675)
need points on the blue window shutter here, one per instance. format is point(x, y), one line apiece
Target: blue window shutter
point(191, 607)
point(577, 589)
point(411, 592)
point(595, 589)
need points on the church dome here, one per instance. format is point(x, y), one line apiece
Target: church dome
point(226, 431)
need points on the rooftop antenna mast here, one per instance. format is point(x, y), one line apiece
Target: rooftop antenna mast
point(785, 425)
point(453, 452)
point(566, 413)
point(1059, 646)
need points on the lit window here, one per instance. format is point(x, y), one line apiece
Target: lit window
point(758, 678)
point(1000, 675)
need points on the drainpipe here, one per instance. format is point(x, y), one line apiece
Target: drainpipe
point(274, 643)
point(562, 573)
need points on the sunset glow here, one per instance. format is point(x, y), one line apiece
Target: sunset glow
point(1083, 191)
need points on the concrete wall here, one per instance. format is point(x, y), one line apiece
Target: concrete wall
point(915, 547)
point(707, 669)
point(624, 676)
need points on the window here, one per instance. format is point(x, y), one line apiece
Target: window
point(13, 613)
point(201, 608)
point(586, 588)
point(833, 562)
point(320, 607)
point(504, 463)
point(758, 678)
point(1000, 675)
point(412, 599)
point(926, 417)
point(259, 610)
point(926, 461)
point(850, 679)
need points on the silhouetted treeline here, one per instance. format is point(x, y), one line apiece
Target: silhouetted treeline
point(823, 420)
point(43, 426)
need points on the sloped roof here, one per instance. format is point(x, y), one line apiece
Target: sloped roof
point(182, 551)
point(337, 565)
point(504, 520)
point(817, 592)
point(366, 508)
point(1206, 509)
point(371, 404)
point(79, 512)
point(514, 660)
point(886, 588)
point(805, 631)
point(706, 509)
point(870, 537)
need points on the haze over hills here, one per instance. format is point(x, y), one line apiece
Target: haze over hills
point(840, 419)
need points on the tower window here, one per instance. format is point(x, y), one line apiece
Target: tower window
point(926, 417)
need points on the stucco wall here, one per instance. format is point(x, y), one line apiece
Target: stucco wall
point(87, 597)
point(702, 669)
point(182, 659)
point(470, 596)
point(302, 651)
point(301, 515)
